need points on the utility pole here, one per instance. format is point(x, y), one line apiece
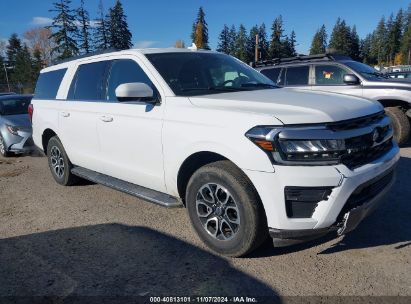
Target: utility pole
point(7, 76)
point(257, 42)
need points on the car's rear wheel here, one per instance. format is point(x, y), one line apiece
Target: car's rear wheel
point(3, 150)
point(225, 209)
point(59, 163)
point(400, 124)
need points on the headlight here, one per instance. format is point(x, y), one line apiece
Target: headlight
point(13, 129)
point(297, 151)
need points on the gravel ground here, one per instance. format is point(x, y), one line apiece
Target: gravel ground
point(91, 240)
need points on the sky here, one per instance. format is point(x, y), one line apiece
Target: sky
point(159, 23)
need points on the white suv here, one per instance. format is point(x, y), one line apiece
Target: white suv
point(202, 130)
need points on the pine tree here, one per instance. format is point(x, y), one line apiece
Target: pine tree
point(37, 64)
point(241, 44)
point(340, 41)
point(394, 35)
point(13, 49)
point(83, 19)
point(276, 42)
point(263, 42)
point(66, 30)
point(355, 44)
point(119, 34)
point(291, 44)
point(23, 72)
point(224, 40)
point(251, 44)
point(3, 80)
point(199, 34)
point(101, 40)
point(319, 42)
point(379, 42)
point(232, 41)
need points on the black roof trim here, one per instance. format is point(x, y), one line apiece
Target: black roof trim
point(301, 58)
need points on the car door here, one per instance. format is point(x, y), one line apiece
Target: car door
point(78, 115)
point(330, 78)
point(295, 77)
point(130, 132)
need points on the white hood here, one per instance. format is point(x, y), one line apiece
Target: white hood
point(291, 106)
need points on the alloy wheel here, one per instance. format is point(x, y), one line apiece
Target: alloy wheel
point(217, 211)
point(57, 161)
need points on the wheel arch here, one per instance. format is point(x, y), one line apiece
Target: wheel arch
point(395, 103)
point(45, 138)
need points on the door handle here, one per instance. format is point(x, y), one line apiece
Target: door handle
point(106, 118)
point(65, 114)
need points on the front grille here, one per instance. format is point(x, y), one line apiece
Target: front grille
point(356, 123)
point(362, 156)
point(366, 192)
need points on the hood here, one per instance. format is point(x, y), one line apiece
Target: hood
point(21, 120)
point(391, 83)
point(291, 106)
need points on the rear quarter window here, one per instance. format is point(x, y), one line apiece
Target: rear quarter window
point(48, 84)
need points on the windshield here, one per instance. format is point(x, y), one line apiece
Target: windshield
point(14, 106)
point(200, 73)
point(365, 70)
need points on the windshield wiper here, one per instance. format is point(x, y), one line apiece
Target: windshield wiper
point(216, 88)
point(258, 85)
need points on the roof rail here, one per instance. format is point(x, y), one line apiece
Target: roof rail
point(111, 50)
point(301, 58)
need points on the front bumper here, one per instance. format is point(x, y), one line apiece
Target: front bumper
point(326, 215)
point(20, 143)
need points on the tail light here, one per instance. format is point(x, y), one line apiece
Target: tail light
point(31, 110)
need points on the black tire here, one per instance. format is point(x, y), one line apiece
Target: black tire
point(252, 230)
point(3, 151)
point(400, 124)
point(57, 156)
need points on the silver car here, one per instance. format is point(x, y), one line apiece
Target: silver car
point(15, 125)
point(340, 74)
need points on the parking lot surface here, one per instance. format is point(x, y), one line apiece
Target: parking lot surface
point(91, 240)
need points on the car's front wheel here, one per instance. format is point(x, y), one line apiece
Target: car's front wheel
point(400, 124)
point(225, 209)
point(59, 163)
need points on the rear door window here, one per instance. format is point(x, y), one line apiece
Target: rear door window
point(89, 82)
point(272, 73)
point(48, 84)
point(297, 76)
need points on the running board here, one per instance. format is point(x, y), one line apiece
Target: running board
point(152, 196)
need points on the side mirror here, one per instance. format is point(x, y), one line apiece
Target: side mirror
point(351, 79)
point(135, 91)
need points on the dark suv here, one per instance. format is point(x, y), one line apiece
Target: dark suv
point(341, 74)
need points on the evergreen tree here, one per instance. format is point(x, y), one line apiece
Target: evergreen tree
point(263, 42)
point(66, 30)
point(23, 72)
point(37, 64)
point(366, 50)
point(83, 36)
point(241, 44)
point(199, 34)
point(319, 42)
point(355, 44)
point(406, 46)
point(251, 44)
point(394, 35)
point(232, 41)
point(101, 40)
point(224, 40)
point(340, 41)
point(119, 34)
point(288, 49)
point(3, 80)
point(276, 42)
point(379, 42)
point(13, 49)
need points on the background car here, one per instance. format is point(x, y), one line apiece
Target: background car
point(340, 74)
point(15, 125)
point(400, 75)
